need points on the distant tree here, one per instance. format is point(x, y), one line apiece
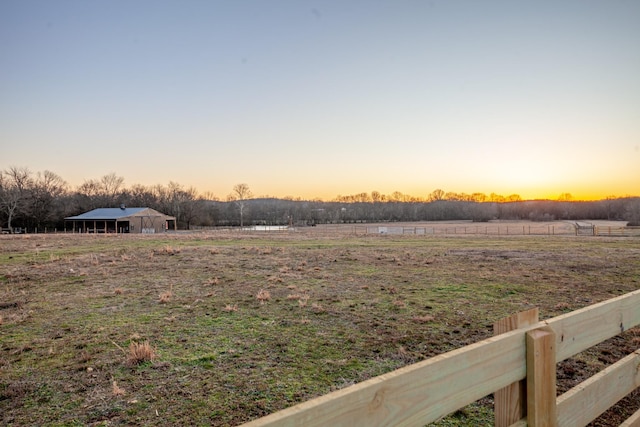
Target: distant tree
point(110, 186)
point(397, 196)
point(87, 195)
point(632, 211)
point(363, 198)
point(99, 193)
point(184, 202)
point(46, 192)
point(141, 196)
point(240, 194)
point(436, 195)
point(497, 198)
point(15, 184)
point(479, 197)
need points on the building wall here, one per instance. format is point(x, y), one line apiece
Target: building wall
point(148, 224)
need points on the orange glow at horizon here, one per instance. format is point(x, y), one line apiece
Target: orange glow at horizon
point(422, 193)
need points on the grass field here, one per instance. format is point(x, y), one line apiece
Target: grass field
point(242, 325)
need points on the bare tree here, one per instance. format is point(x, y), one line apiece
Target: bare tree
point(436, 195)
point(14, 186)
point(632, 211)
point(241, 193)
point(184, 204)
point(111, 186)
point(47, 190)
point(479, 197)
point(142, 196)
point(104, 192)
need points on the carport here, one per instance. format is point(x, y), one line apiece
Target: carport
point(122, 220)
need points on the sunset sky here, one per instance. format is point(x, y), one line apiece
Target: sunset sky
point(316, 99)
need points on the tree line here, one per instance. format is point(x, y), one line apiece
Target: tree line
point(40, 201)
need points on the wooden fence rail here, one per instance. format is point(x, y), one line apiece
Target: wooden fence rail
point(424, 392)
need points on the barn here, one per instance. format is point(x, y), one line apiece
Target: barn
point(122, 220)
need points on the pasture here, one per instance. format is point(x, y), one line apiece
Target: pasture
point(239, 325)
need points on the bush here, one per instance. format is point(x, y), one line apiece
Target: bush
point(140, 353)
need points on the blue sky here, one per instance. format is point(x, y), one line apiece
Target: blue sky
point(320, 98)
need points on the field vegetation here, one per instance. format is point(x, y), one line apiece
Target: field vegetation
point(218, 329)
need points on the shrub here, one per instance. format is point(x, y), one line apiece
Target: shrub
point(140, 353)
point(263, 295)
point(165, 297)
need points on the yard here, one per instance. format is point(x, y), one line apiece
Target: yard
point(239, 325)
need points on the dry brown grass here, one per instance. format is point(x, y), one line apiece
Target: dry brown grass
point(230, 308)
point(165, 297)
point(263, 296)
point(302, 301)
point(399, 304)
point(83, 357)
point(117, 391)
point(208, 343)
point(171, 250)
point(423, 319)
point(140, 353)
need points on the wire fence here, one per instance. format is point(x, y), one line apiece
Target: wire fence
point(557, 228)
point(452, 229)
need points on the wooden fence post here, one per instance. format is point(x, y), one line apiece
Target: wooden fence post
point(510, 402)
point(541, 378)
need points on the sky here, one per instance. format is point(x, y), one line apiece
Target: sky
point(315, 99)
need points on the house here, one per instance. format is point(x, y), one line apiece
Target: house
point(122, 220)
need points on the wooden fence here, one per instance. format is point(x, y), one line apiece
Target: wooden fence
point(519, 366)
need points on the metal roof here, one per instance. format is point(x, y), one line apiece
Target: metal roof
point(108, 214)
